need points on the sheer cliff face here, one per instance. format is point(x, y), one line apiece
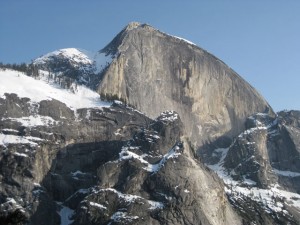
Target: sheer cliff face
point(155, 72)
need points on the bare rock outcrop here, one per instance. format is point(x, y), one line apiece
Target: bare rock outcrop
point(154, 71)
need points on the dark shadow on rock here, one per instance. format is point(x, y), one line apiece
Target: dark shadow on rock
point(73, 169)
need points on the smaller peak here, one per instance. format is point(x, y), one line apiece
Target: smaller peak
point(132, 25)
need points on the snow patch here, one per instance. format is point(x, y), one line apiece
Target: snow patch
point(6, 139)
point(155, 205)
point(10, 130)
point(21, 154)
point(170, 116)
point(97, 205)
point(77, 173)
point(65, 215)
point(121, 216)
point(33, 121)
point(286, 173)
point(185, 40)
point(126, 154)
point(133, 198)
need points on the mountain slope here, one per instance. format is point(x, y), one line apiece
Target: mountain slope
point(154, 71)
point(44, 89)
point(60, 163)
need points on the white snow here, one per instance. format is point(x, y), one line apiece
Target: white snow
point(97, 205)
point(132, 198)
point(71, 53)
point(182, 39)
point(126, 154)
point(79, 58)
point(169, 116)
point(251, 130)
point(11, 204)
point(120, 216)
point(20, 154)
point(65, 215)
point(6, 139)
point(155, 205)
point(76, 173)
point(36, 120)
point(38, 90)
point(126, 197)
point(286, 173)
point(173, 153)
point(10, 130)
point(37, 185)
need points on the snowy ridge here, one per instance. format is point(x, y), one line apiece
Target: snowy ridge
point(38, 90)
point(182, 39)
point(72, 54)
point(78, 58)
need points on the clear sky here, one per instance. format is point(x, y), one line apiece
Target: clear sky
point(259, 39)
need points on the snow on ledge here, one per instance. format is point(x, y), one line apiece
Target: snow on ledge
point(286, 173)
point(6, 139)
point(133, 198)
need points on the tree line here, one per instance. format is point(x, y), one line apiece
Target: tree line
point(29, 69)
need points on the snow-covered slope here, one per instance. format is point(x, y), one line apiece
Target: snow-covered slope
point(72, 54)
point(38, 90)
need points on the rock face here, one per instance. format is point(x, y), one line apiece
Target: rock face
point(268, 151)
point(154, 72)
point(260, 168)
point(110, 165)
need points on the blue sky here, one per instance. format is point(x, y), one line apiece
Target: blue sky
point(258, 39)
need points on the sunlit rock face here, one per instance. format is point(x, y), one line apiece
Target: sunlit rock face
point(154, 71)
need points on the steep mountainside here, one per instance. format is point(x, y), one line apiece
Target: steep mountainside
point(106, 164)
point(150, 130)
point(154, 72)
